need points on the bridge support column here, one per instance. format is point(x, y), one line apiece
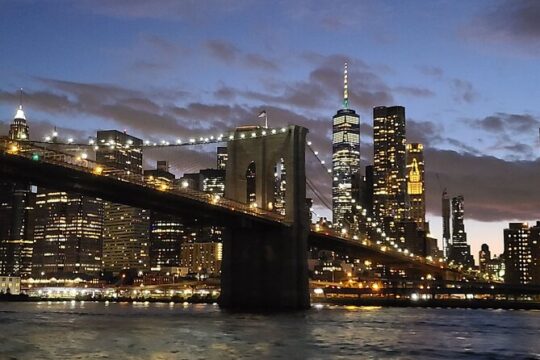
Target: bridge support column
point(264, 266)
point(264, 269)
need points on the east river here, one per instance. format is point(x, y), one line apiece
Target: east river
point(89, 330)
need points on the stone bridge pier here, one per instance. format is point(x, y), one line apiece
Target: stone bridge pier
point(264, 267)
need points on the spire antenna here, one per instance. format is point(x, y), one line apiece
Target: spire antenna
point(21, 98)
point(345, 88)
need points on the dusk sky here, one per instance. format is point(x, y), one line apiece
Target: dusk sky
point(467, 72)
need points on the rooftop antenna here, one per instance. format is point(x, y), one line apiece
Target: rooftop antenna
point(345, 88)
point(21, 98)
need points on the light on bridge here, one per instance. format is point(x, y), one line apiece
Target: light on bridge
point(98, 170)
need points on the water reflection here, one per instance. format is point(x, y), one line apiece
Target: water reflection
point(51, 330)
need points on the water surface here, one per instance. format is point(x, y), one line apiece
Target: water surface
point(75, 330)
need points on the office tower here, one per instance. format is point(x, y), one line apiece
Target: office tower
point(416, 184)
point(389, 164)
point(202, 258)
point(212, 181)
point(365, 191)
point(222, 157)
point(125, 240)
point(16, 213)
point(17, 203)
point(251, 183)
point(484, 257)
point(18, 129)
point(67, 235)
point(119, 151)
point(522, 254)
point(166, 231)
point(280, 187)
point(445, 201)
point(460, 251)
point(345, 155)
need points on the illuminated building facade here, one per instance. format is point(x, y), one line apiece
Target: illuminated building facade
point(67, 235)
point(202, 258)
point(390, 204)
point(212, 181)
point(345, 156)
point(484, 257)
point(416, 185)
point(280, 187)
point(16, 213)
point(460, 251)
point(18, 129)
point(120, 151)
point(445, 201)
point(126, 238)
point(166, 231)
point(17, 203)
point(522, 254)
point(222, 157)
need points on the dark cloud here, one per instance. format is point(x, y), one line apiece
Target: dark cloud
point(503, 122)
point(433, 71)
point(222, 50)
point(511, 22)
point(423, 132)
point(323, 87)
point(229, 53)
point(414, 91)
point(494, 189)
point(463, 91)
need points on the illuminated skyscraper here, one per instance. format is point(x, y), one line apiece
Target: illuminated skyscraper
point(522, 254)
point(18, 130)
point(16, 228)
point(166, 231)
point(446, 223)
point(389, 166)
point(125, 241)
point(67, 235)
point(460, 251)
point(16, 214)
point(345, 155)
point(416, 185)
point(222, 157)
point(484, 257)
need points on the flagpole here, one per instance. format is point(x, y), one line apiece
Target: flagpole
point(266, 120)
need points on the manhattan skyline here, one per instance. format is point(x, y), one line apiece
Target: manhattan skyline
point(469, 85)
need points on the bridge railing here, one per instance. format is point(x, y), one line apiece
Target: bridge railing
point(48, 154)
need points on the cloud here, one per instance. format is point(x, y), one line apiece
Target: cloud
point(513, 23)
point(494, 189)
point(463, 91)
point(504, 122)
point(433, 71)
point(222, 50)
point(414, 91)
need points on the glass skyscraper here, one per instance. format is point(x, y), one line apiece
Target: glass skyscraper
point(390, 200)
point(345, 156)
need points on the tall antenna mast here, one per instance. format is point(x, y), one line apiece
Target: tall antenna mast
point(345, 88)
point(20, 98)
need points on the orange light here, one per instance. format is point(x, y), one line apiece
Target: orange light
point(98, 170)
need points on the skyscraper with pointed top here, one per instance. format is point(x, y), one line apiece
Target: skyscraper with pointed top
point(345, 155)
point(18, 130)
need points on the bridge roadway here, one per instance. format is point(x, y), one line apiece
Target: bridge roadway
point(65, 172)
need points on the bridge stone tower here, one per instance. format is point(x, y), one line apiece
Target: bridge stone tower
point(265, 266)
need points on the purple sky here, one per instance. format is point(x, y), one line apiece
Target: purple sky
point(466, 71)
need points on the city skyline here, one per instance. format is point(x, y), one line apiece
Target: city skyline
point(471, 105)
